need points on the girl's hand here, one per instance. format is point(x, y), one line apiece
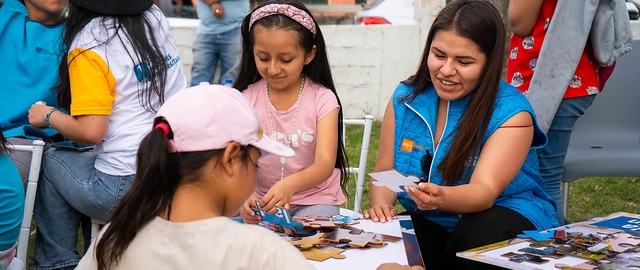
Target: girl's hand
point(427, 196)
point(380, 213)
point(278, 195)
point(37, 112)
point(246, 211)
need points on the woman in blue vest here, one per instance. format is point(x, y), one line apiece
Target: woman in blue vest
point(469, 137)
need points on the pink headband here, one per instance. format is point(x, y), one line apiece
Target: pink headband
point(290, 11)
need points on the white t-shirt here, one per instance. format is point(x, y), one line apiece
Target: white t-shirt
point(105, 81)
point(215, 243)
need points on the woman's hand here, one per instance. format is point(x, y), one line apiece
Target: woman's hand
point(380, 213)
point(427, 196)
point(247, 214)
point(278, 195)
point(37, 112)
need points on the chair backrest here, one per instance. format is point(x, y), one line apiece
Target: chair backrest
point(616, 109)
point(36, 150)
point(610, 128)
point(606, 139)
point(361, 170)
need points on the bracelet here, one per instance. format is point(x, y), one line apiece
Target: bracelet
point(47, 116)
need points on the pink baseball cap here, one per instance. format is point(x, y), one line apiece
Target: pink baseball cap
point(207, 117)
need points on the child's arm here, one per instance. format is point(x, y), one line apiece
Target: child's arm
point(325, 159)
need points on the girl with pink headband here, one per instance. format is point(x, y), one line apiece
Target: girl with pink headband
point(285, 74)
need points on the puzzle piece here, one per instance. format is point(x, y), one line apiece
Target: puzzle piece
point(623, 242)
point(543, 251)
point(281, 217)
point(536, 235)
point(393, 179)
point(323, 254)
point(316, 222)
point(354, 238)
point(582, 266)
point(325, 223)
point(307, 242)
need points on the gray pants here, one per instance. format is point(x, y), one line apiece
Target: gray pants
point(22, 160)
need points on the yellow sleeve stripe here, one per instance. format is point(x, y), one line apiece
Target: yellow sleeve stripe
point(92, 84)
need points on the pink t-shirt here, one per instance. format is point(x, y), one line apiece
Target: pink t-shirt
point(316, 101)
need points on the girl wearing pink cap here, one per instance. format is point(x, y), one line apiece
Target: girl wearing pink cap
point(192, 174)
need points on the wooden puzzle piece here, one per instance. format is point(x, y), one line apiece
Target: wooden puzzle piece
point(325, 223)
point(323, 254)
point(582, 266)
point(623, 242)
point(530, 258)
point(387, 238)
point(393, 179)
point(280, 218)
point(543, 251)
point(536, 235)
point(354, 239)
point(306, 242)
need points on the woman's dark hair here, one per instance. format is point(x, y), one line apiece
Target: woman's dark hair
point(158, 175)
point(138, 30)
point(317, 70)
point(480, 22)
point(3, 144)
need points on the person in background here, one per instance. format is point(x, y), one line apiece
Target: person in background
point(562, 78)
point(11, 205)
point(218, 40)
point(192, 175)
point(469, 137)
point(285, 74)
point(30, 48)
point(120, 64)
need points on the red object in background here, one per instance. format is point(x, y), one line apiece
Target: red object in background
point(372, 21)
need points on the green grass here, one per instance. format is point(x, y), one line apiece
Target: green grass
point(589, 197)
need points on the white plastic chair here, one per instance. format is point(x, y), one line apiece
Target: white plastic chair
point(96, 225)
point(361, 170)
point(36, 149)
point(606, 139)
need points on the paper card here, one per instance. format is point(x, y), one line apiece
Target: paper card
point(393, 179)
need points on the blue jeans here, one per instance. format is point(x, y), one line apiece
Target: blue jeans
point(208, 49)
point(551, 157)
point(70, 189)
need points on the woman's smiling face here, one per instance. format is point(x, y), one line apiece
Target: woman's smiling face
point(456, 65)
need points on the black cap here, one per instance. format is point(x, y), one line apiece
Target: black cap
point(115, 7)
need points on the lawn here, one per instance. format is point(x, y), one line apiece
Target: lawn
point(589, 197)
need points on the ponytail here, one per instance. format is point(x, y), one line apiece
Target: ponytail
point(155, 182)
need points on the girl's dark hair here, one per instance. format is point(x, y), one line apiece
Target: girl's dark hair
point(480, 22)
point(138, 30)
point(158, 175)
point(317, 70)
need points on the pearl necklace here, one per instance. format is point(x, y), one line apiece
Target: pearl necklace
point(293, 126)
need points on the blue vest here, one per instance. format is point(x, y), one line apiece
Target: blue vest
point(30, 53)
point(416, 122)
